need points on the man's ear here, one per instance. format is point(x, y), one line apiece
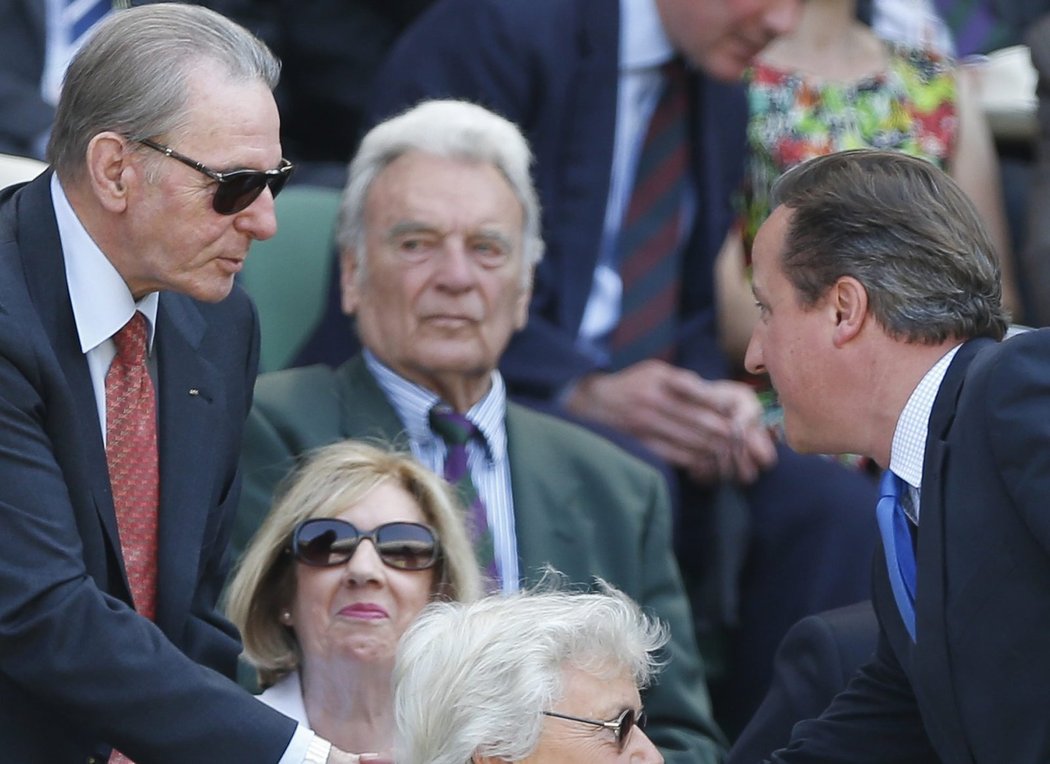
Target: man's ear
point(110, 173)
point(348, 278)
point(848, 303)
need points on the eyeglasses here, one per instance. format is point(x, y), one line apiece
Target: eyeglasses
point(237, 188)
point(324, 542)
point(621, 726)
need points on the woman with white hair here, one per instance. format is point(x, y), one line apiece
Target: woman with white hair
point(544, 676)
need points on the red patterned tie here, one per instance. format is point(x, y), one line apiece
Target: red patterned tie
point(131, 453)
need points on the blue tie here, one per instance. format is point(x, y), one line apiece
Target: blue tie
point(896, 541)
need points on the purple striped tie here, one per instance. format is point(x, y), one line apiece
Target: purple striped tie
point(649, 243)
point(456, 430)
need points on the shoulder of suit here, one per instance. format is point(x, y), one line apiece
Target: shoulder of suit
point(571, 440)
point(299, 382)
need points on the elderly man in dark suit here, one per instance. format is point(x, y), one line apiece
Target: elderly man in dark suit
point(440, 237)
point(879, 329)
point(127, 359)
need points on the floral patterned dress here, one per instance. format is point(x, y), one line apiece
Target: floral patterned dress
point(908, 107)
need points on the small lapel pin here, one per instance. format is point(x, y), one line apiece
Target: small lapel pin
point(194, 391)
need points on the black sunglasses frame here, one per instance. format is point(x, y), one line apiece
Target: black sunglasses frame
point(621, 726)
point(298, 545)
point(236, 189)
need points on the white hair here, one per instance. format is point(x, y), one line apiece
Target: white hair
point(452, 130)
point(475, 678)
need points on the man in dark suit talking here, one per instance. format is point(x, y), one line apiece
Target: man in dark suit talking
point(127, 358)
point(880, 315)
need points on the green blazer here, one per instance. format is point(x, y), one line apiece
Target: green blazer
point(581, 504)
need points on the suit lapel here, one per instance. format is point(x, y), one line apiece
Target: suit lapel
point(930, 657)
point(37, 236)
point(549, 516)
point(190, 397)
point(364, 410)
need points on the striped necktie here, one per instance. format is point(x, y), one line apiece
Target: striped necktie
point(649, 242)
point(457, 431)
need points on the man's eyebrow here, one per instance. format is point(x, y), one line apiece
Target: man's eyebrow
point(495, 234)
point(408, 226)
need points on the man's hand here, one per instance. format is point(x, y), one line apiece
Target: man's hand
point(712, 429)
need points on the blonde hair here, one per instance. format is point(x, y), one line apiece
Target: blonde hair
point(331, 479)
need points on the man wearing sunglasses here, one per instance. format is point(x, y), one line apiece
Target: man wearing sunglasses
point(127, 359)
point(439, 237)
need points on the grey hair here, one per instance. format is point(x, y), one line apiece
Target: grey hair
point(475, 679)
point(330, 480)
point(131, 76)
point(906, 231)
point(452, 130)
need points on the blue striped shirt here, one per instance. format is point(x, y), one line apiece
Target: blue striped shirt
point(487, 461)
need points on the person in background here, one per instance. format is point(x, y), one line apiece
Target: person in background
point(127, 360)
point(543, 675)
point(620, 99)
point(320, 611)
point(832, 85)
point(880, 328)
point(440, 236)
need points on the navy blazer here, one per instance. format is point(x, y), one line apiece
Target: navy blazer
point(551, 66)
point(814, 662)
point(975, 686)
point(24, 115)
point(79, 669)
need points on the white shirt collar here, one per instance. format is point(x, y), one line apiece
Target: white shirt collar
point(908, 451)
point(102, 302)
point(413, 402)
point(643, 41)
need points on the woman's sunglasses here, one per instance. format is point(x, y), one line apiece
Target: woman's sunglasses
point(621, 726)
point(236, 189)
point(324, 542)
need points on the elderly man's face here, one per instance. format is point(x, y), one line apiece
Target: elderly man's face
point(442, 286)
point(174, 239)
point(564, 741)
point(723, 36)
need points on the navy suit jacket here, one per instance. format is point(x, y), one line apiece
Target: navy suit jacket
point(24, 115)
point(79, 669)
point(975, 686)
point(551, 66)
point(813, 664)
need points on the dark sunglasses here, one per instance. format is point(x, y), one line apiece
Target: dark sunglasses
point(621, 726)
point(237, 188)
point(324, 542)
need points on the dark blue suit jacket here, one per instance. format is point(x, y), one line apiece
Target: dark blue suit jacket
point(79, 670)
point(24, 115)
point(813, 664)
point(551, 66)
point(975, 686)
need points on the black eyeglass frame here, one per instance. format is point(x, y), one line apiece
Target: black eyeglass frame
point(294, 546)
point(621, 726)
point(255, 180)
